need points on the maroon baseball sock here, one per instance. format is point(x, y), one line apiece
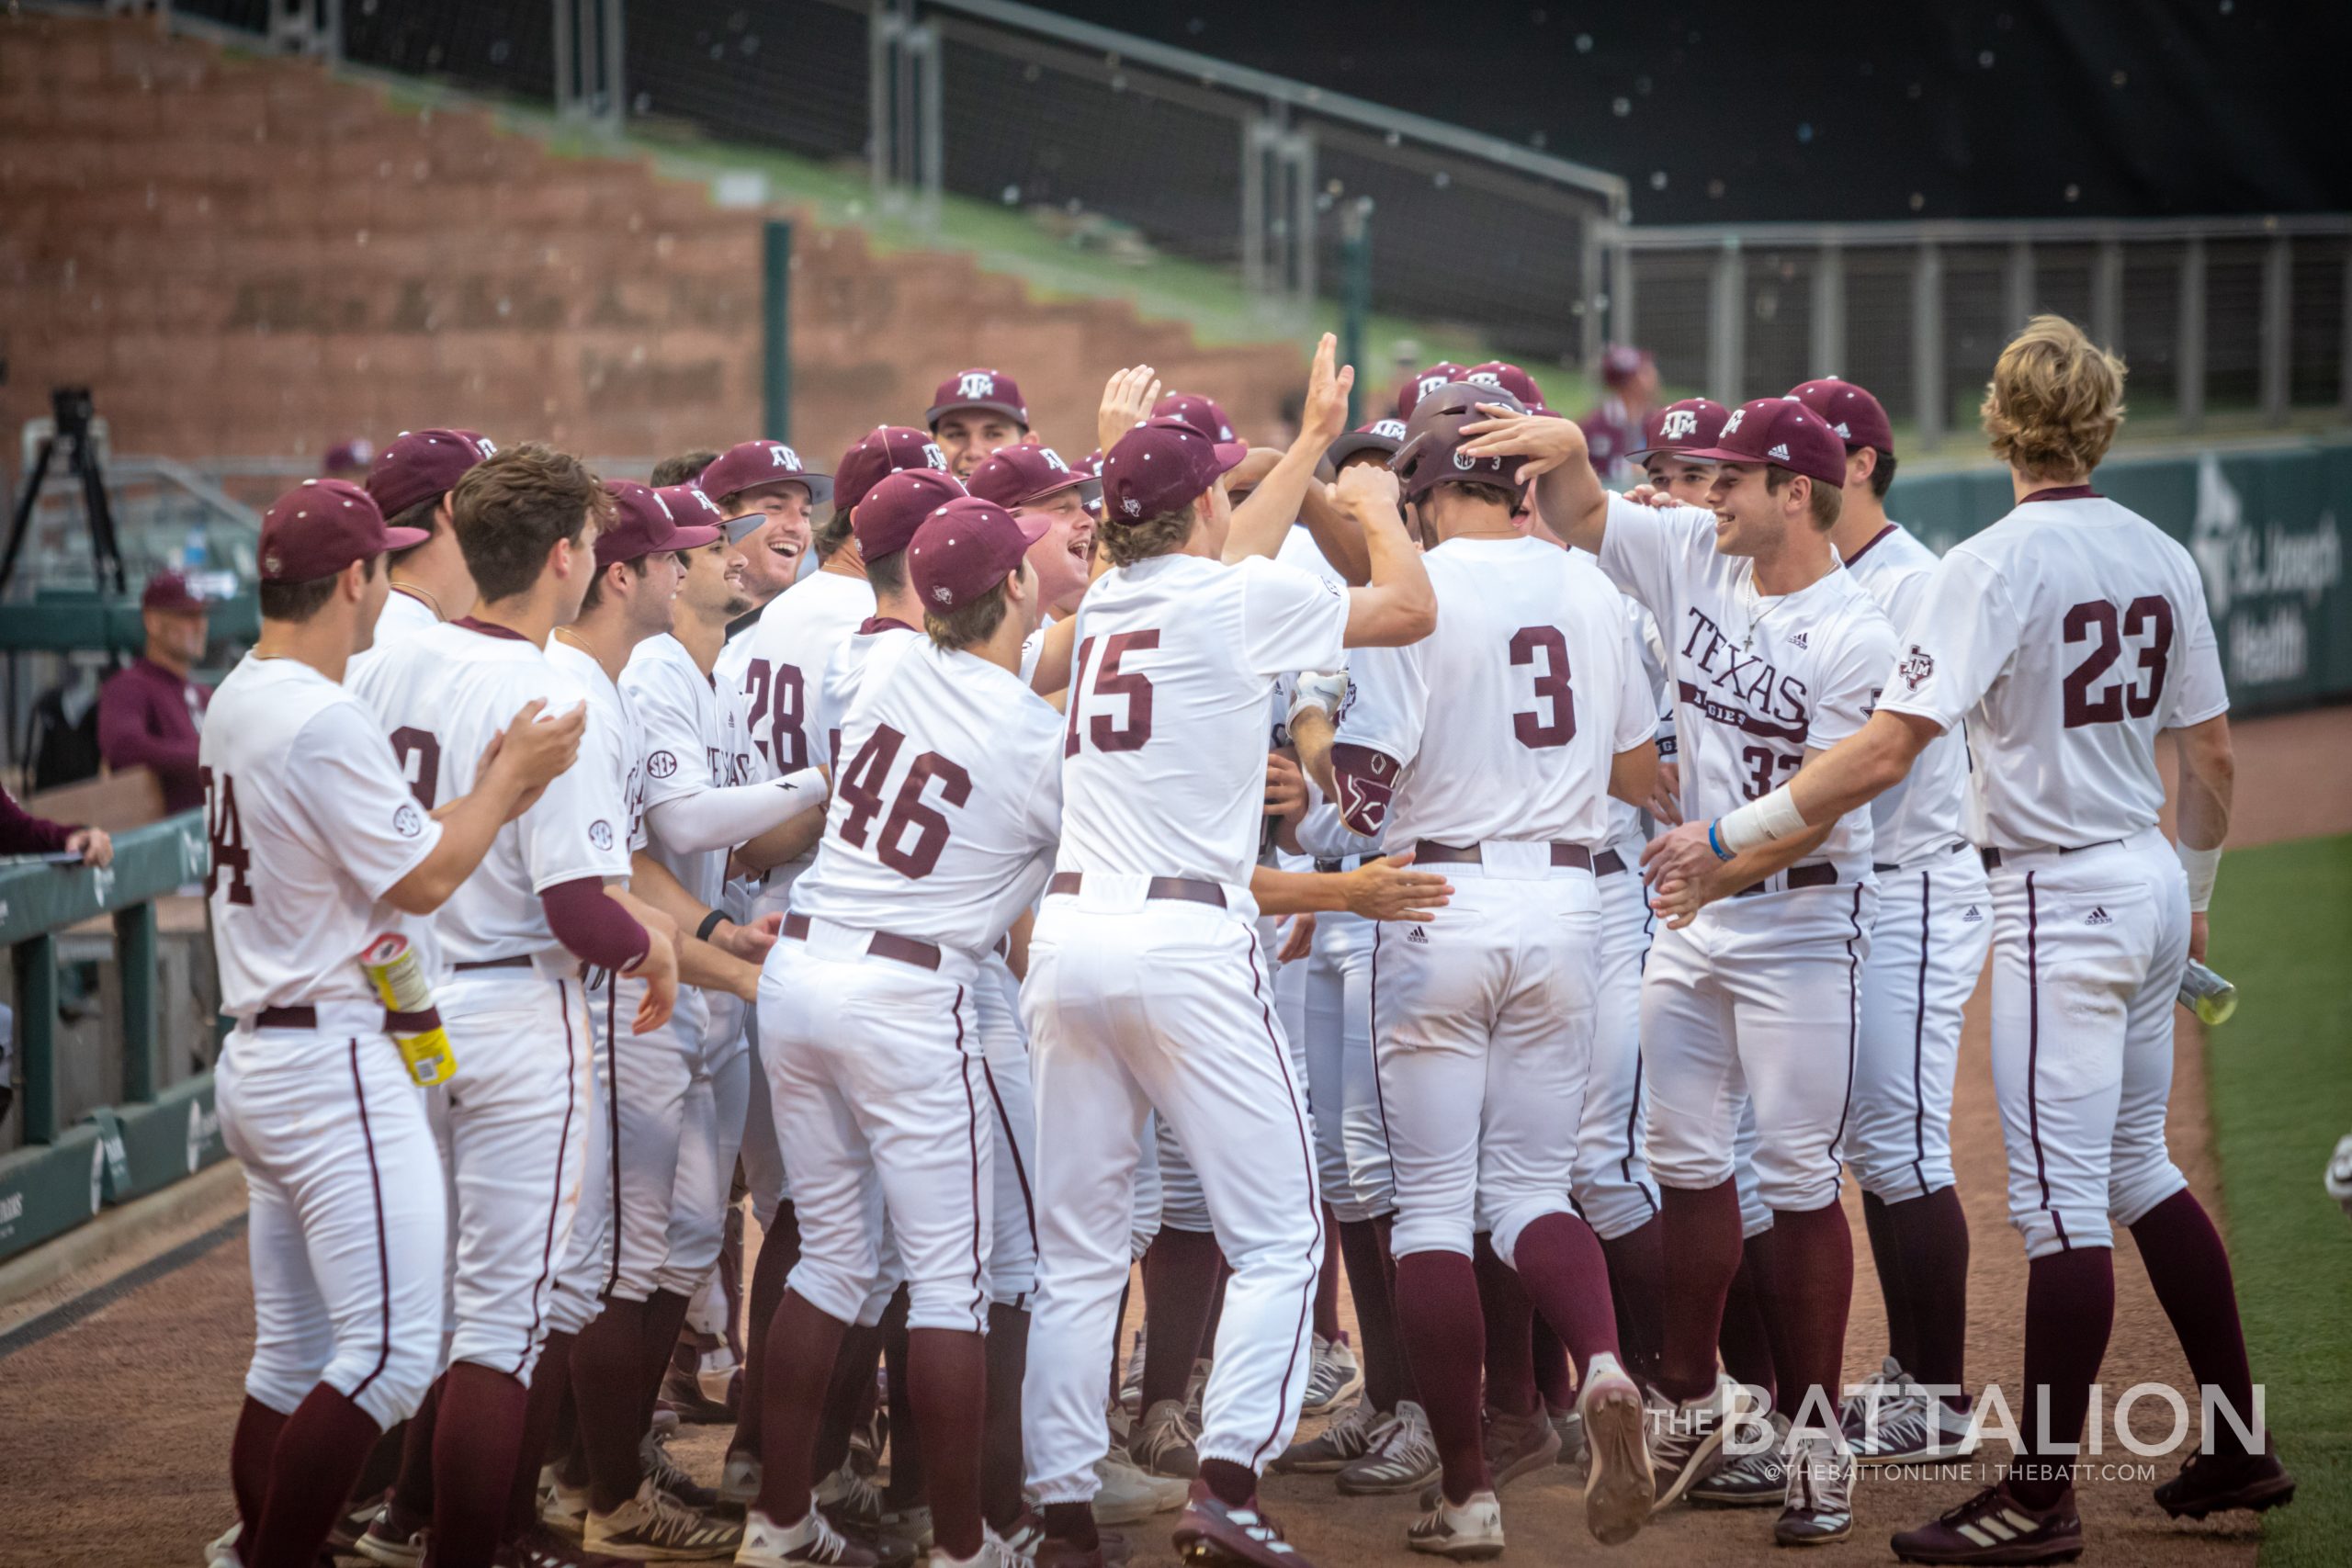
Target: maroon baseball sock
point(551, 1381)
point(1119, 1333)
point(252, 1452)
point(1746, 1338)
point(1215, 1319)
point(849, 1398)
point(1812, 1290)
point(1000, 1466)
point(1362, 1245)
point(1234, 1485)
point(665, 1319)
point(904, 1486)
point(1327, 1284)
point(1698, 1230)
point(947, 1387)
point(1561, 1266)
point(1507, 1321)
point(475, 1443)
point(413, 1491)
point(606, 1363)
point(1179, 1281)
point(2190, 1270)
point(1436, 1308)
point(383, 1466)
point(1637, 1285)
point(730, 1270)
point(2069, 1309)
point(803, 1344)
point(1893, 1288)
point(779, 1250)
point(1072, 1522)
point(1931, 1240)
point(1553, 1379)
point(318, 1455)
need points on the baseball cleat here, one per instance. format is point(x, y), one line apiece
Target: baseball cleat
point(1339, 1445)
point(739, 1481)
point(1131, 1381)
point(812, 1539)
point(2213, 1483)
point(1819, 1508)
point(1686, 1438)
point(1471, 1533)
point(562, 1508)
point(1750, 1478)
point(654, 1527)
point(852, 1502)
point(1402, 1456)
point(1196, 1387)
point(1994, 1527)
point(1618, 1487)
point(1334, 1377)
point(1514, 1445)
point(1129, 1495)
point(342, 1539)
point(394, 1538)
point(1211, 1531)
point(540, 1547)
point(669, 1475)
point(1570, 1426)
point(1891, 1419)
point(1162, 1445)
point(221, 1551)
point(911, 1524)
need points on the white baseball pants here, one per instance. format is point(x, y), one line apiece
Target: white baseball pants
point(349, 1216)
point(1612, 1172)
point(1136, 1005)
point(1935, 922)
point(1004, 1065)
point(2087, 950)
point(1762, 992)
point(1331, 1030)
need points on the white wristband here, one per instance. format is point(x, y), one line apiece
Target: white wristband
point(1761, 821)
point(2203, 867)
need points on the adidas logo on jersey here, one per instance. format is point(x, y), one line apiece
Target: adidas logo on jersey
point(1972, 916)
point(1418, 934)
point(1800, 639)
point(2097, 917)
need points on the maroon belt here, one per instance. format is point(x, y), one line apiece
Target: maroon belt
point(878, 944)
point(308, 1018)
point(1607, 862)
point(1993, 857)
point(520, 961)
point(1431, 852)
point(1797, 876)
point(1188, 889)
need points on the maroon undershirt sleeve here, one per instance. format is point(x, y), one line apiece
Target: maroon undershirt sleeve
point(22, 833)
point(593, 927)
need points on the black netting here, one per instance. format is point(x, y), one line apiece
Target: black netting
point(1670, 302)
point(788, 74)
point(2233, 323)
point(1976, 323)
point(1878, 327)
point(2151, 336)
point(2315, 327)
point(1778, 342)
point(249, 15)
point(506, 46)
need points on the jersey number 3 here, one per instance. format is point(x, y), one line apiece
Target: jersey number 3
point(1109, 682)
point(2096, 621)
point(1546, 648)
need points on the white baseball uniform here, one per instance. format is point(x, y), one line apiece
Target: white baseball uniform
point(1762, 991)
point(1138, 1002)
point(2067, 635)
point(310, 825)
point(762, 1162)
point(944, 810)
point(404, 615)
point(1499, 730)
point(513, 1006)
point(1935, 922)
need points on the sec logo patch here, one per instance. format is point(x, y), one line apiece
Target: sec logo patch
point(662, 764)
point(408, 822)
point(600, 833)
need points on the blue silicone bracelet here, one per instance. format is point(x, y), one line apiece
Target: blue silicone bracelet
point(1716, 843)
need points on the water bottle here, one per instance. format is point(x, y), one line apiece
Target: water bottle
point(2206, 994)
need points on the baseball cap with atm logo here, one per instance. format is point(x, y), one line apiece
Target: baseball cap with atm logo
point(1782, 434)
point(322, 525)
point(1444, 373)
point(888, 515)
point(748, 465)
point(882, 451)
point(1021, 475)
point(1381, 435)
point(965, 548)
point(644, 525)
point(1162, 466)
point(1200, 413)
point(992, 390)
point(1859, 418)
point(1510, 377)
point(423, 465)
point(1681, 427)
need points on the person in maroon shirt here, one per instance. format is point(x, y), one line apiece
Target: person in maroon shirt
point(22, 833)
point(150, 714)
point(1629, 382)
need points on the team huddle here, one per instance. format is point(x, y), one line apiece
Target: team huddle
point(1393, 853)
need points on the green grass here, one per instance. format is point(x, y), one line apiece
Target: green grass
point(2281, 1079)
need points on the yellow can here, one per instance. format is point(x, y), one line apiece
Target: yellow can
point(400, 979)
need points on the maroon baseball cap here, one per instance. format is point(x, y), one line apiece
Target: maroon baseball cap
point(423, 465)
point(748, 465)
point(1681, 426)
point(1016, 476)
point(691, 506)
point(355, 453)
point(1510, 377)
point(322, 525)
point(882, 451)
point(891, 511)
point(1859, 418)
point(1782, 433)
point(1444, 373)
point(1383, 435)
point(168, 590)
point(991, 389)
point(1161, 465)
point(1621, 362)
point(1200, 413)
point(643, 524)
point(966, 547)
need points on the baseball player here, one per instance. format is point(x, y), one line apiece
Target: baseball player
point(1777, 655)
point(516, 933)
point(1629, 383)
point(409, 482)
point(1483, 1023)
point(317, 850)
point(2068, 635)
point(1926, 952)
point(768, 479)
point(973, 413)
point(1163, 779)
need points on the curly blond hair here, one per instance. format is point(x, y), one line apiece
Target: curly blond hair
point(2056, 401)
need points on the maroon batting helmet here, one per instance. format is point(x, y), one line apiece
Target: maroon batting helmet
point(1431, 454)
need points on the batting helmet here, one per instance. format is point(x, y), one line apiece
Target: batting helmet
point(1431, 454)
